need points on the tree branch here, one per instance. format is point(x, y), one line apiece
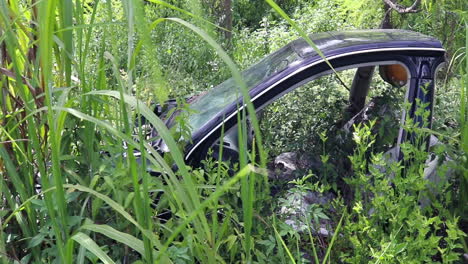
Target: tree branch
point(25, 82)
point(403, 9)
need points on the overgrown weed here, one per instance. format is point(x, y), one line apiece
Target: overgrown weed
point(75, 81)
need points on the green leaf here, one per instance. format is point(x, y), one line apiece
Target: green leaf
point(330, 246)
point(85, 241)
point(280, 239)
point(117, 207)
point(36, 240)
point(116, 235)
point(214, 196)
point(400, 248)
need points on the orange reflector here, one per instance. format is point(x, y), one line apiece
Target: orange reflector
point(395, 74)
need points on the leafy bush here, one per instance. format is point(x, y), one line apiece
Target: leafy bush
point(390, 221)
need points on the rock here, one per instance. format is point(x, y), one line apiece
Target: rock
point(297, 204)
point(294, 204)
point(324, 232)
point(319, 198)
point(286, 163)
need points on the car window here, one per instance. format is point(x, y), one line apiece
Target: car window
point(208, 105)
point(300, 120)
point(293, 121)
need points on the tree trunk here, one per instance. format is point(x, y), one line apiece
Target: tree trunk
point(362, 78)
point(226, 19)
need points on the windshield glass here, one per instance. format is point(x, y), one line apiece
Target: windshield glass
point(212, 102)
point(208, 105)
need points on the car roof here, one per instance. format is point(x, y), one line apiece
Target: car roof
point(334, 43)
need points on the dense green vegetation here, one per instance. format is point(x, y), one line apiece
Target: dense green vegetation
point(76, 76)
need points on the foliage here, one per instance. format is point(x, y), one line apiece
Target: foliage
point(390, 220)
point(77, 77)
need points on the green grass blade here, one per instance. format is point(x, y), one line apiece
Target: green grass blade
point(118, 236)
point(247, 200)
point(237, 77)
point(92, 247)
point(463, 193)
point(124, 238)
point(142, 170)
point(134, 15)
point(335, 235)
point(13, 174)
point(155, 157)
point(66, 12)
point(3, 256)
point(117, 207)
point(185, 12)
point(47, 23)
point(278, 236)
point(164, 133)
point(464, 97)
point(309, 232)
point(158, 124)
point(23, 205)
point(213, 197)
point(392, 242)
point(113, 204)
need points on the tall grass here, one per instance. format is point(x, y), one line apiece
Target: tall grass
point(463, 196)
point(72, 187)
point(43, 102)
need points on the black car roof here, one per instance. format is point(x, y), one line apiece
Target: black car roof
point(332, 43)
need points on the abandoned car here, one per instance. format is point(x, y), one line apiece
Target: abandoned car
point(404, 59)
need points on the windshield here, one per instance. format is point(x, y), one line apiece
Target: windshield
point(211, 103)
point(208, 105)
